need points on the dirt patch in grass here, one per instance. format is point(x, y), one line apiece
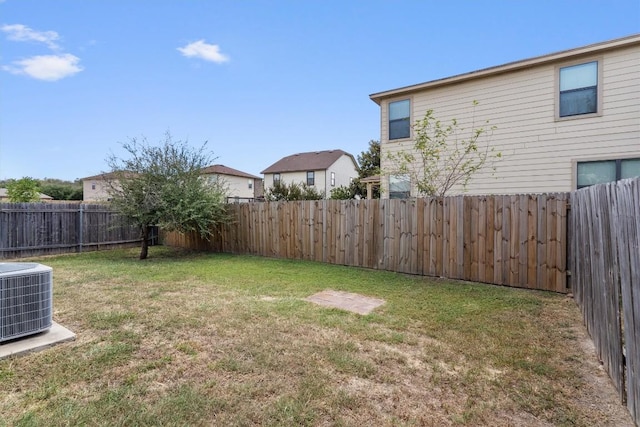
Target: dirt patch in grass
point(194, 339)
point(355, 303)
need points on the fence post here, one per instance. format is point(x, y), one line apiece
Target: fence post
point(80, 227)
point(569, 235)
point(325, 206)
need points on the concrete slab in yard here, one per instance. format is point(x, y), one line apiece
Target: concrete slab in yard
point(55, 335)
point(346, 301)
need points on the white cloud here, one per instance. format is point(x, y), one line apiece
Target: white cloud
point(46, 67)
point(202, 50)
point(22, 33)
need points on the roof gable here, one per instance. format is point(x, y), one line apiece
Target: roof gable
point(213, 169)
point(311, 161)
point(4, 193)
point(511, 66)
point(101, 177)
point(226, 170)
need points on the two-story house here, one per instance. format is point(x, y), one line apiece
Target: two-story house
point(95, 188)
point(323, 170)
point(563, 121)
point(240, 186)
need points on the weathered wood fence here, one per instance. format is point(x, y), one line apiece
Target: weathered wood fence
point(30, 229)
point(517, 240)
point(605, 259)
point(528, 241)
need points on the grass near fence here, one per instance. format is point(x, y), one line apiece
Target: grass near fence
point(210, 339)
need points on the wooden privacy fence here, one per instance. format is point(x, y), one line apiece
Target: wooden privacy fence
point(29, 229)
point(517, 240)
point(605, 224)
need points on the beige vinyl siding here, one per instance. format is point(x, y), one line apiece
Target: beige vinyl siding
point(320, 182)
point(539, 152)
point(237, 186)
point(344, 169)
point(99, 194)
point(299, 177)
point(268, 181)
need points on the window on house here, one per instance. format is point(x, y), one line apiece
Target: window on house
point(333, 179)
point(311, 178)
point(399, 119)
point(250, 184)
point(629, 168)
point(599, 172)
point(93, 185)
point(579, 89)
point(399, 187)
point(276, 177)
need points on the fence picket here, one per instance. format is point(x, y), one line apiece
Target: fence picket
point(605, 262)
point(506, 240)
point(31, 229)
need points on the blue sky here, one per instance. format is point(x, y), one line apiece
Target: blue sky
point(258, 80)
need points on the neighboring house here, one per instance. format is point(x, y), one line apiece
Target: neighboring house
point(323, 170)
point(564, 120)
point(95, 188)
point(5, 198)
point(241, 186)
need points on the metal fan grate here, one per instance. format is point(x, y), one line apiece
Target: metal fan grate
point(25, 301)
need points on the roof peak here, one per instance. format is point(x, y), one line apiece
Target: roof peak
point(309, 161)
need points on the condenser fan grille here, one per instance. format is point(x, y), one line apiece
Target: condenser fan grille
point(25, 302)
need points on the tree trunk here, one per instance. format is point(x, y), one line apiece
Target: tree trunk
point(144, 251)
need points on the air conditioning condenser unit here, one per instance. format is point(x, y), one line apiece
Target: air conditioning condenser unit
point(26, 299)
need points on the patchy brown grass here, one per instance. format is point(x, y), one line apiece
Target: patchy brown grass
point(201, 339)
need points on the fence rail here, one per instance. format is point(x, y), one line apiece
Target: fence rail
point(605, 220)
point(507, 240)
point(30, 229)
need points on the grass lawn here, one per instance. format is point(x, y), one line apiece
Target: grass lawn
point(210, 339)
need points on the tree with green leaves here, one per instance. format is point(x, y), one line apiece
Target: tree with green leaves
point(369, 165)
point(294, 191)
point(369, 160)
point(23, 190)
point(342, 192)
point(60, 191)
point(163, 186)
point(444, 155)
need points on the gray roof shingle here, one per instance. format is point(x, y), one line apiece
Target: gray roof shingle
point(226, 170)
point(311, 161)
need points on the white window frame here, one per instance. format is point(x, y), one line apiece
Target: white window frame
point(617, 164)
point(598, 112)
point(407, 179)
point(388, 115)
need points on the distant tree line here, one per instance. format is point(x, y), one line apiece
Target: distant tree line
point(28, 189)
